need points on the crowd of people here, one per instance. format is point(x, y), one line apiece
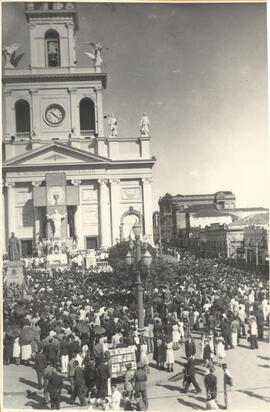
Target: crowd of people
point(95, 260)
point(69, 320)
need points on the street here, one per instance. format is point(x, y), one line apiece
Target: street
point(250, 370)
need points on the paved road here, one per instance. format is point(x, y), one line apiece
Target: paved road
point(250, 369)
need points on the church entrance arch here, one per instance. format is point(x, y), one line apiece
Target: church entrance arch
point(128, 220)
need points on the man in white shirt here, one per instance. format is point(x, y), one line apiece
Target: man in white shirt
point(82, 314)
point(265, 308)
point(116, 398)
point(116, 339)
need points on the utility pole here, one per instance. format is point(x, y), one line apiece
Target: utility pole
point(160, 240)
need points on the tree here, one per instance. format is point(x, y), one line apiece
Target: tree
point(159, 273)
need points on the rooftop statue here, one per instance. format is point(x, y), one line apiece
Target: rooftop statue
point(144, 125)
point(96, 53)
point(8, 52)
point(112, 122)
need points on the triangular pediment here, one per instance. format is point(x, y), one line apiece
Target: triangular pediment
point(55, 154)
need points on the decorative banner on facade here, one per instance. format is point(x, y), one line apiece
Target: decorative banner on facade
point(55, 179)
point(131, 193)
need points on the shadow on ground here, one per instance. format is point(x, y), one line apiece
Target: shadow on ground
point(255, 395)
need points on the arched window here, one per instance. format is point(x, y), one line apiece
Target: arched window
point(22, 109)
point(87, 116)
point(52, 47)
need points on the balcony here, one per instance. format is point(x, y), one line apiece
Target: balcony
point(22, 136)
point(87, 133)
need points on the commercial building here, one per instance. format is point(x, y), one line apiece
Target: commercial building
point(174, 209)
point(182, 217)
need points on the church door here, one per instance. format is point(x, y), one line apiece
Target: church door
point(27, 247)
point(91, 242)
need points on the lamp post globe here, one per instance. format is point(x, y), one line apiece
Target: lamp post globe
point(147, 259)
point(129, 259)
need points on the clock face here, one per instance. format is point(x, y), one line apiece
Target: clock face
point(54, 114)
point(56, 195)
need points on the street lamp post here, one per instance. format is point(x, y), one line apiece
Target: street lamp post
point(136, 258)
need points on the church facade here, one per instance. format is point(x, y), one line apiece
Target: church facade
point(58, 159)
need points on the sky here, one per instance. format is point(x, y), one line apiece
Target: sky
point(200, 73)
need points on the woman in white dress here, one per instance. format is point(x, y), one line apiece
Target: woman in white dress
point(143, 357)
point(212, 345)
point(84, 350)
point(175, 336)
point(220, 350)
point(26, 353)
point(79, 358)
point(181, 330)
point(169, 355)
point(203, 338)
point(16, 350)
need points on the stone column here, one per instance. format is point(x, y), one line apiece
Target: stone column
point(10, 115)
point(35, 131)
point(78, 221)
point(3, 217)
point(104, 214)
point(74, 112)
point(147, 208)
point(36, 225)
point(11, 202)
point(99, 119)
point(71, 45)
point(115, 209)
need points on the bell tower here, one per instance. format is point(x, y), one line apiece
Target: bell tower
point(52, 28)
point(53, 99)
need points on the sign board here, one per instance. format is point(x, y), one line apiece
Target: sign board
point(120, 357)
point(14, 272)
point(57, 259)
point(90, 261)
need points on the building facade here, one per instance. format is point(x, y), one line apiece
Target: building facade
point(173, 209)
point(246, 246)
point(57, 157)
point(156, 227)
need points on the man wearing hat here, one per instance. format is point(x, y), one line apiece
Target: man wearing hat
point(79, 385)
point(210, 382)
point(64, 354)
point(103, 374)
point(40, 366)
point(140, 379)
point(190, 347)
point(50, 351)
point(190, 375)
point(55, 384)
